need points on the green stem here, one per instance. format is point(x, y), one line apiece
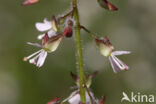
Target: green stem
point(79, 52)
point(85, 29)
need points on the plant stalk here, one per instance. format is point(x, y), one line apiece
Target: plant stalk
point(79, 52)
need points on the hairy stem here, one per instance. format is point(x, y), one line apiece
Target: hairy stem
point(85, 29)
point(79, 52)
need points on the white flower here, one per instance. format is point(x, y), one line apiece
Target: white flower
point(47, 26)
point(116, 63)
point(107, 50)
point(74, 98)
point(48, 45)
point(38, 57)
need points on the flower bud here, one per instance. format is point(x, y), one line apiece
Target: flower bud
point(107, 5)
point(102, 100)
point(52, 43)
point(54, 101)
point(104, 45)
point(68, 32)
point(30, 2)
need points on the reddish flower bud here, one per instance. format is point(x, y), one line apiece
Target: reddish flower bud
point(111, 7)
point(30, 2)
point(102, 100)
point(107, 5)
point(54, 101)
point(68, 32)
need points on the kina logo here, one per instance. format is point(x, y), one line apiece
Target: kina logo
point(138, 97)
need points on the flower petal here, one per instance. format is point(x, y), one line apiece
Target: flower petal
point(42, 58)
point(119, 63)
point(125, 67)
point(40, 36)
point(114, 66)
point(51, 33)
point(75, 99)
point(120, 52)
point(34, 59)
point(43, 26)
point(34, 44)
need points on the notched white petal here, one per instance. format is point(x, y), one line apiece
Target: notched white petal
point(123, 65)
point(120, 52)
point(114, 66)
point(41, 58)
point(43, 26)
point(75, 98)
point(118, 64)
point(51, 33)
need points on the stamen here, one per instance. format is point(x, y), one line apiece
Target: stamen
point(26, 58)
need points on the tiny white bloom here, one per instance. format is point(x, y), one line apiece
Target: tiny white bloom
point(48, 45)
point(47, 26)
point(107, 50)
point(116, 63)
point(38, 57)
point(74, 98)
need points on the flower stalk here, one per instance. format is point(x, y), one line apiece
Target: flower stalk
point(79, 52)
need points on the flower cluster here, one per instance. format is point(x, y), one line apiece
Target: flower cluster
point(50, 39)
point(52, 33)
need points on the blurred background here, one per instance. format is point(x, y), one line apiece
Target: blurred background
point(132, 28)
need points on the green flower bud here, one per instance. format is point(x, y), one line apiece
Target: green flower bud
point(52, 43)
point(104, 46)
